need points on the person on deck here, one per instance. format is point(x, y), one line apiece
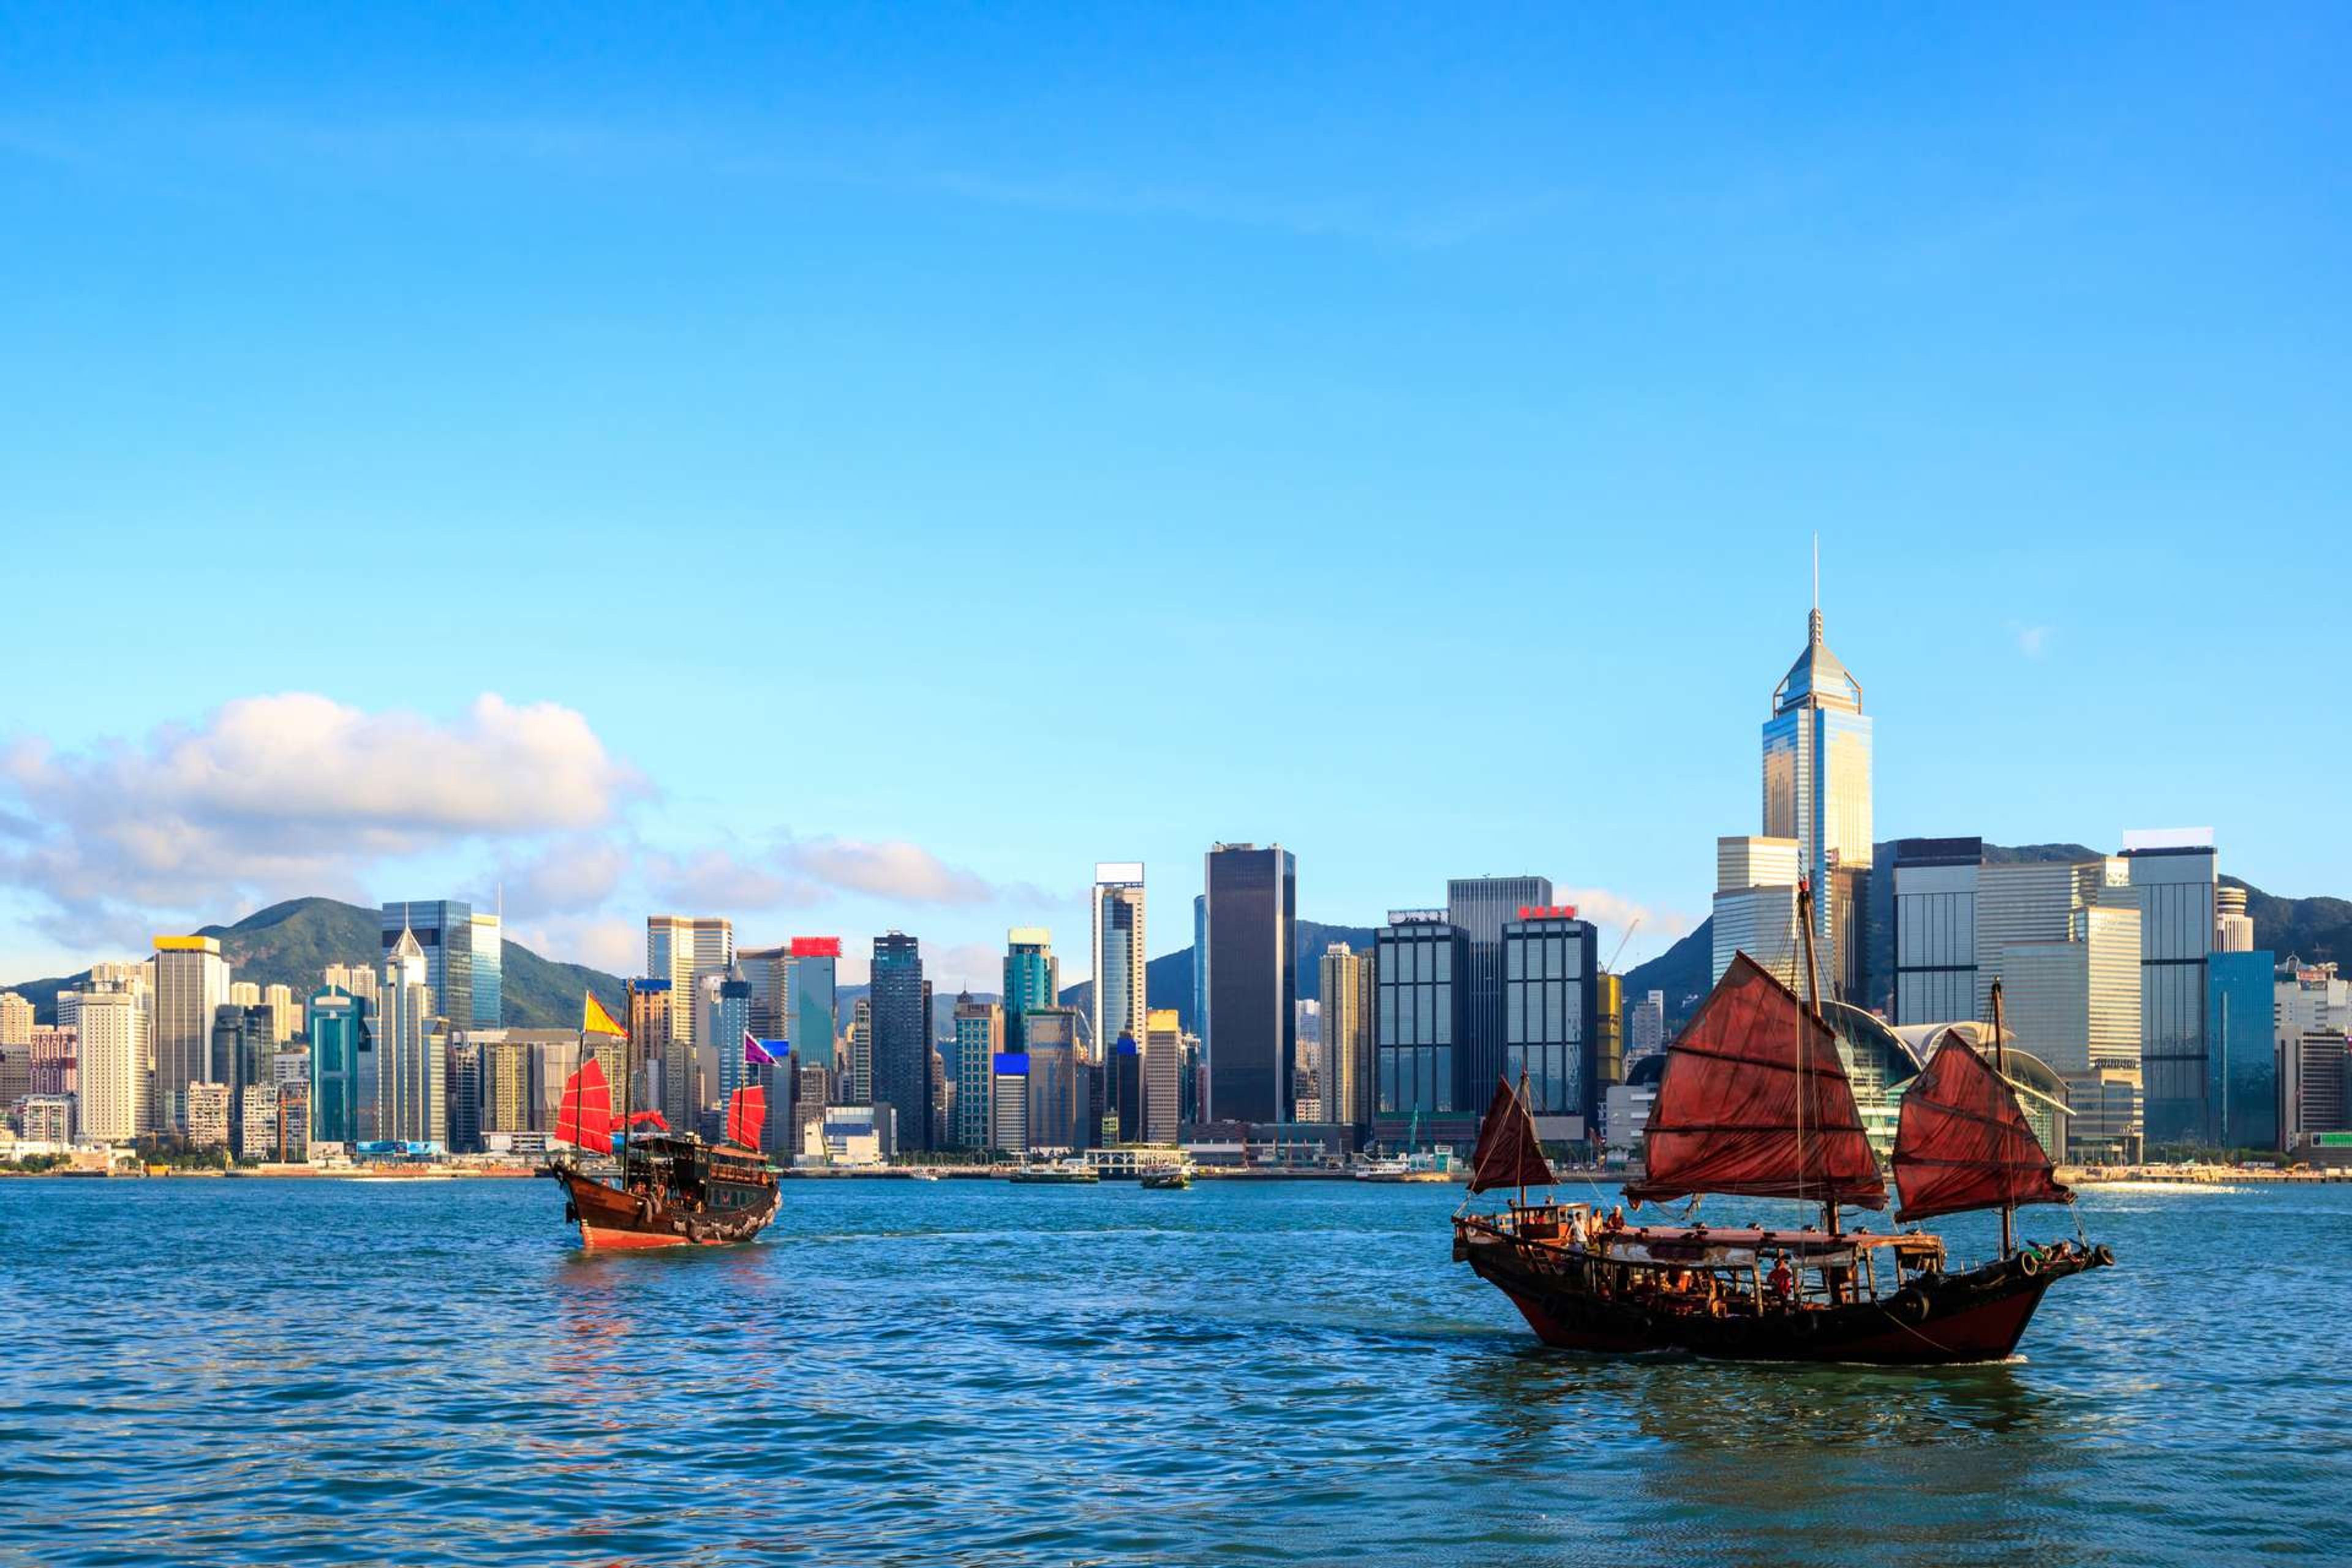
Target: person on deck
point(1781, 1282)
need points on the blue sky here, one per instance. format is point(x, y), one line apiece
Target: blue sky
point(881, 462)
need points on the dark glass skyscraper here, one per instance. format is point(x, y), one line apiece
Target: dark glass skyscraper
point(1253, 981)
point(1481, 906)
point(444, 929)
point(902, 1037)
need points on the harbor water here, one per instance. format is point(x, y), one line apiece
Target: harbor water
point(271, 1372)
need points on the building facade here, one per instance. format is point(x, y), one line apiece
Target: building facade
point(979, 1039)
point(1344, 976)
point(1252, 979)
point(902, 1037)
point(1163, 1074)
point(192, 983)
point(1032, 979)
point(443, 930)
point(681, 950)
point(1481, 905)
point(1119, 1002)
point(1817, 792)
point(411, 1049)
point(2175, 885)
point(2242, 1091)
point(114, 1060)
point(487, 1009)
point(337, 1024)
point(1418, 1028)
point(1550, 976)
point(1935, 904)
point(1755, 906)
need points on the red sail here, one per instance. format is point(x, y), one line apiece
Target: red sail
point(653, 1118)
point(1742, 1110)
point(585, 1115)
point(1508, 1154)
point(1963, 1142)
point(747, 1116)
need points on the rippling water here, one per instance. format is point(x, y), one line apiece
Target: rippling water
point(273, 1371)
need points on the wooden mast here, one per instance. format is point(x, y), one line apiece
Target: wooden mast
point(1814, 1001)
point(628, 1075)
point(2000, 1067)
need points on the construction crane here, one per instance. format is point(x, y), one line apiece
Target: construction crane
point(1610, 967)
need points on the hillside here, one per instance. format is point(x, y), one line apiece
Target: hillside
point(292, 944)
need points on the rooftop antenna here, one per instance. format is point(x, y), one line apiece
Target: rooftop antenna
point(1813, 623)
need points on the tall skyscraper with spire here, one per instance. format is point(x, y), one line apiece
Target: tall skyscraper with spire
point(1817, 792)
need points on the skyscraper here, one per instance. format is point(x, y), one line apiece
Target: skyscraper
point(1816, 779)
point(1935, 903)
point(16, 1019)
point(113, 1057)
point(859, 1068)
point(726, 1007)
point(1252, 956)
point(1163, 1074)
point(1419, 1027)
point(191, 981)
point(1119, 1002)
point(681, 950)
point(489, 1005)
point(411, 1046)
point(443, 933)
point(979, 1036)
point(902, 1038)
point(812, 1009)
point(1057, 1099)
point(1032, 979)
point(1756, 907)
point(1201, 967)
point(653, 1036)
point(1343, 977)
point(2172, 873)
point(1550, 971)
point(2242, 1076)
point(1480, 906)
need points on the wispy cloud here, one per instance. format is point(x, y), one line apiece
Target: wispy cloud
point(294, 793)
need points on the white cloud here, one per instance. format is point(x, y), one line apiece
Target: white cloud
point(277, 795)
point(891, 868)
point(1616, 913)
point(614, 945)
point(722, 879)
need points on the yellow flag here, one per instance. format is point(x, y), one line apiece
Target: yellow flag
point(596, 1021)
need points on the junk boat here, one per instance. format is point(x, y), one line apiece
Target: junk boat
point(1755, 1103)
point(671, 1189)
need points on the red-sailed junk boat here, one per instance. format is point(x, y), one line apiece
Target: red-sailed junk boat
point(672, 1189)
point(1755, 1103)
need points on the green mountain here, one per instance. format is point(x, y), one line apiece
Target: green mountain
point(291, 944)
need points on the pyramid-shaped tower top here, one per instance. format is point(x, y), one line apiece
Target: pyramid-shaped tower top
point(407, 946)
point(1818, 679)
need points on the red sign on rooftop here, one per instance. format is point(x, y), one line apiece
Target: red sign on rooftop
point(816, 947)
point(1547, 911)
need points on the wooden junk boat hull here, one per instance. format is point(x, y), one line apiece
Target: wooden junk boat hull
point(1574, 1299)
point(609, 1217)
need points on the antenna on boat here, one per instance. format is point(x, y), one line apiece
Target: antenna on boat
point(1813, 1005)
point(2001, 1067)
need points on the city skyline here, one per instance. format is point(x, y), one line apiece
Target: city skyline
point(1614, 355)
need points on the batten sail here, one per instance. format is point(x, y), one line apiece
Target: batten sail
point(746, 1117)
point(1964, 1143)
point(1508, 1154)
point(1755, 1103)
point(583, 1116)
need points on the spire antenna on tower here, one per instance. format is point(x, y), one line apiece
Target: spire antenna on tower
point(1817, 573)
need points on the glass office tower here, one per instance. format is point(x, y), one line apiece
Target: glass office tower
point(1816, 780)
point(444, 930)
point(1253, 980)
point(902, 1037)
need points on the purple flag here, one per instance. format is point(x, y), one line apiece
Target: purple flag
point(755, 1055)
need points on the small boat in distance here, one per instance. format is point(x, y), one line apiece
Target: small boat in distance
point(1168, 1179)
point(1058, 1173)
point(672, 1189)
point(1755, 1102)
